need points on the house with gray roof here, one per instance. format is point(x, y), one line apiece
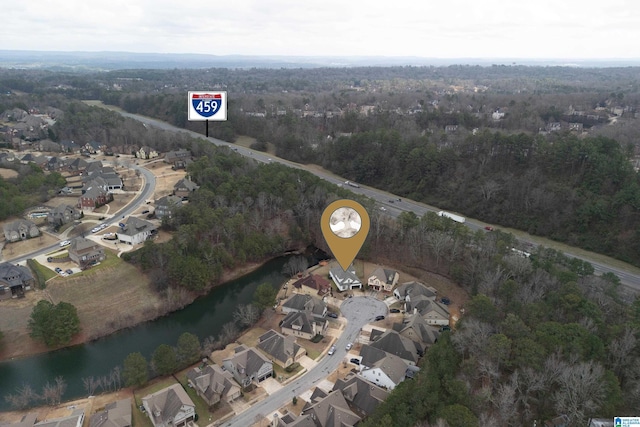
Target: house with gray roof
point(20, 229)
point(291, 420)
point(330, 409)
point(213, 384)
point(300, 302)
point(184, 188)
point(167, 205)
point(409, 289)
point(383, 279)
point(392, 342)
point(416, 328)
point(85, 252)
point(178, 159)
point(283, 350)
point(115, 414)
point(345, 280)
point(136, 231)
point(74, 420)
point(15, 280)
point(63, 214)
point(27, 420)
point(77, 166)
point(248, 365)
point(362, 396)
point(387, 372)
point(303, 324)
point(170, 407)
point(433, 312)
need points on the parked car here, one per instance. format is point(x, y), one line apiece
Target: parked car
point(348, 347)
point(332, 315)
point(380, 317)
point(394, 310)
point(382, 208)
point(146, 211)
point(58, 270)
point(488, 228)
point(65, 243)
point(355, 361)
point(391, 201)
point(445, 328)
point(49, 259)
point(69, 271)
point(332, 350)
point(445, 300)
point(95, 229)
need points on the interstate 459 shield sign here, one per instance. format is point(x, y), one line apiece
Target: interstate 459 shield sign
point(208, 106)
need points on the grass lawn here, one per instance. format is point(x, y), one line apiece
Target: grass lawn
point(278, 371)
point(43, 271)
point(312, 353)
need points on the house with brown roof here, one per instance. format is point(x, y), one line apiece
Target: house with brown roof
point(94, 195)
point(248, 365)
point(383, 279)
point(303, 324)
point(170, 407)
point(85, 252)
point(213, 384)
point(312, 284)
point(15, 280)
point(283, 350)
point(184, 188)
point(115, 414)
point(20, 229)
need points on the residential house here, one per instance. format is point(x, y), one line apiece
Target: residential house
point(362, 396)
point(330, 410)
point(392, 342)
point(289, 419)
point(146, 153)
point(433, 312)
point(15, 280)
point(166, 206)
point(178, 159)
point(170, 407)
point(313, 284)
point(115, 414)
point(63, 214)
point(345, 280)
point(553, 127)
point(77, 166)
point(408, 289)
point(70, 147)
point(283, 350)
point(74, 420)
point(20, 229)
point(136, 231)
point(93, 167)
point(578, 127)
point(248, 365)
point(85, 252)
point(92, 147)
point(303, 324)
point(213, 384)
point(56, 164)
point(416, 328)
point(308, 303)
point(94, 196)
point(28, 420)
point(386, 372)
point(184, 188)
point(383, 279)
point(27, 158)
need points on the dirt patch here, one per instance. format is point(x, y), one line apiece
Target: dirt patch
point(8, 173)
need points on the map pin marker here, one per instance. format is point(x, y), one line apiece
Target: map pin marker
point(345, 226)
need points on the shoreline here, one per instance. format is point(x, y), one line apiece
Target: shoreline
point(82, 338)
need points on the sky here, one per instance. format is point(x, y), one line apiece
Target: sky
point(554, 29)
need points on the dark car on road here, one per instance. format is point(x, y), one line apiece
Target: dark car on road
point(332, 315)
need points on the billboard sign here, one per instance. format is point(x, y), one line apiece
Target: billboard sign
point(626, 422)
point(210, 105)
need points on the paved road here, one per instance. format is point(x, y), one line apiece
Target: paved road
point(146, 193)
point(358, 311)
point(383, 198)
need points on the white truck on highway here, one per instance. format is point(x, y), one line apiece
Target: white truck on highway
point(351, 183)
point(456, 218)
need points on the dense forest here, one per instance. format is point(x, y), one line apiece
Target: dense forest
point(29, 188)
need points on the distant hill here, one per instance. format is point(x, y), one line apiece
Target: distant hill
point(92, 61)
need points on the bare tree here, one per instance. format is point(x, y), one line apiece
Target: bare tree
point(581, 391)
point(295, 265)
point(228, 333)
point(246, 314)
point(91, 384)
point(52, 393)
point(24, 397)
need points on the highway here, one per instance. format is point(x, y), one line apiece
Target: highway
point(394, 209)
